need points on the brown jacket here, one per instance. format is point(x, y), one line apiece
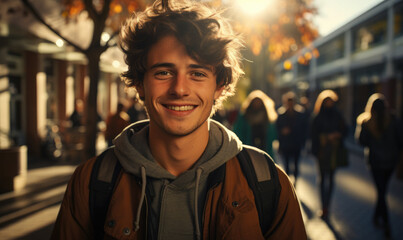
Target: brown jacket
point(221, 219)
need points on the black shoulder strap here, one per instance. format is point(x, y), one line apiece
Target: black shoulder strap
point(261, 174)
point(101, 188)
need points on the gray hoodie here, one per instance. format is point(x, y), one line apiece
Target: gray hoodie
point(172, 199)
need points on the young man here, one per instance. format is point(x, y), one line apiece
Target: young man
point(180, 176)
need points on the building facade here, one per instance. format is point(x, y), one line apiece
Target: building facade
point(360, 58)
point(39, 83)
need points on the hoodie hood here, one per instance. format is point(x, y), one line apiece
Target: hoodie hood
point(133, 152)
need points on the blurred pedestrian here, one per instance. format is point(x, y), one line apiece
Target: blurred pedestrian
point(255, 124)
point(328, 133)
point(76, 118)
point(379, 131)
point(136, 111)
point(291, 132)
point(221, 116)
point(307, 114)
point(115, 123)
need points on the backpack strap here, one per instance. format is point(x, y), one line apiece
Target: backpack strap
point(102, 184)
point(261, 173)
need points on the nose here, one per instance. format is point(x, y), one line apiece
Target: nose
point(179, 86)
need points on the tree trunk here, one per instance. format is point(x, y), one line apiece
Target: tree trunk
point(91, 106)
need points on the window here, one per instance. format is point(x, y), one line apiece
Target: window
point(331, 50)
point(398, 21)
point(370, 34)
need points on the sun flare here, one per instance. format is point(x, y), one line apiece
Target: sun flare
point(252, 7)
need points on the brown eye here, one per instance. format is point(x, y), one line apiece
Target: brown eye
point(198, 75)
point(163, 74)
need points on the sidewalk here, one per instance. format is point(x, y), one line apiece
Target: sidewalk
point(353, 201)
point(31, 212)
point(316, 227)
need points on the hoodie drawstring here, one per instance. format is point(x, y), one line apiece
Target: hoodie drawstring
point(198, 175)
point(143, 194)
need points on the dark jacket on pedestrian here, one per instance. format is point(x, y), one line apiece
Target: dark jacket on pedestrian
point(382, 135)
point(326, 122)
point(384, 149)
point(293, 121)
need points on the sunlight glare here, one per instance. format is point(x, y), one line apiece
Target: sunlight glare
point(59, 42)
point(252, 7)
point(105, 37)
point(116, 63)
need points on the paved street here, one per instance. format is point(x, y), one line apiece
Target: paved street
point(30, 213)
point(352, 203)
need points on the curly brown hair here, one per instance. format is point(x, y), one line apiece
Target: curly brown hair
point(206, 35)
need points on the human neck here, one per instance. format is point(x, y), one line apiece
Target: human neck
point(177, 154)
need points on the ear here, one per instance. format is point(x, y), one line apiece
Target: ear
point(218, 92)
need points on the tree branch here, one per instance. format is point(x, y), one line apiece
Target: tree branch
point(40, 19)
point(90, 9)
point(116, 33)
point(113, 45)
point(94, 14)
point(105, 10)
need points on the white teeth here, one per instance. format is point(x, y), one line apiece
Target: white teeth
point(181, 108)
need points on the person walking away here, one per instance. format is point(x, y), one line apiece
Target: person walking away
point(328, 133)
point(255, 124)
point(182, 175)
point(307, 114)
point(115, 123)
point(379, 131)
point(290, 129)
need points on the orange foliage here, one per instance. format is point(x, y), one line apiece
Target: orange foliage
point(287, 65)
point(308, 56)
point(285, 27)
point(73, 7)
point(125, 7)
point(302, 60)
point(119, 10)
point(315, 53)
point(256, 45)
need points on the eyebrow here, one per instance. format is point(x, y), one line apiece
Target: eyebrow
point(171, 65)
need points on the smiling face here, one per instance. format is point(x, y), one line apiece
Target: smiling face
point(178, 92)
